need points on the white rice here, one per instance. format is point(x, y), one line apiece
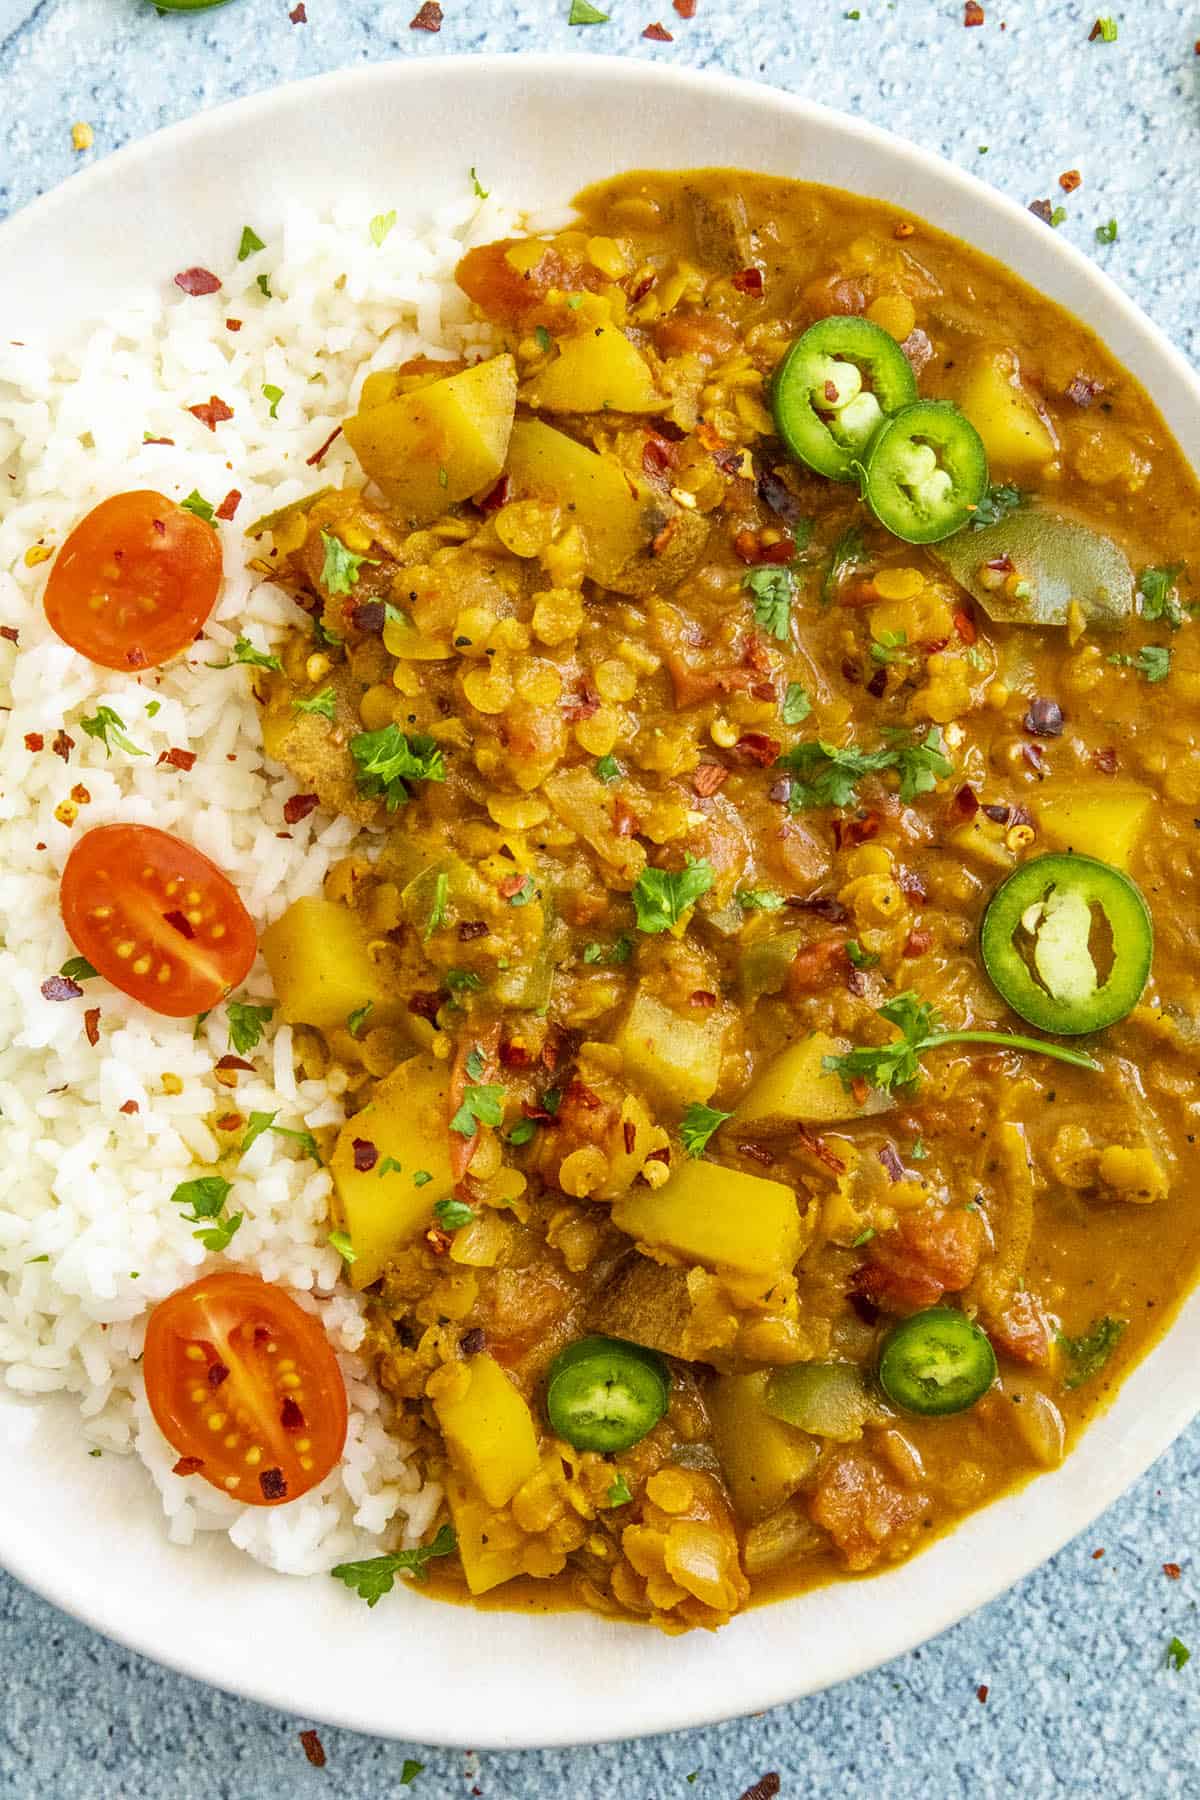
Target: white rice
point(89, 1240)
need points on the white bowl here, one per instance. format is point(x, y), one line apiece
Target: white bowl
point(88, 1534)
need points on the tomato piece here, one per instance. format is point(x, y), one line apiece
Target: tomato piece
point(156, 918)
point(134, 581)
point(246, 1386)
point(515, 296)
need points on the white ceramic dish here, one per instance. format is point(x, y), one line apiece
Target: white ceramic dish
point(88, 1534)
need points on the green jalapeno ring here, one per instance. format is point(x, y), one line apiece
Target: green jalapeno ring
point(824, 413)
point(605, 1394)
point(1048, 902)
point(936, 1363)
point(925, 472)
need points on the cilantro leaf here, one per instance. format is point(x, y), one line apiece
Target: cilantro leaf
point(410, 1770)
point(206, 1196)
point(263, 284)
point(1107, 234)
point(437, 912)
point(697, 1126)
point(386, 759)
point(481, 1104)
point(1000, 500)
point(389, 1166)
point(345, 1249)
point(796, 704)
point(1177, 1654)
point(339, 572)
point(618, 952)
point(421, 1177)
point(196, 503)
point(890, 647)
point(829, 774)
point(256, 1124)
point(78, 968)
point(1088, 1353)
point(860, 958)
point(522, 1132)
point(921, 764)
point(661, 897)
point(274, 395)
point(1159, 597)
point(584, 13)
point(897, 1063)
point(618, 1493)
point(250, 242)
point(609, 769)
point(772, 591)
point(381, 225)
point(376, 1576)
point(452, 1215)
point(524, 893)
point(356, 1020)
point(109, 727)
point(1153, 661)
point(246, 1024)
point(849, 550)
point(244, 652)
point(462, 981)
point(481, 193)
point(324, 703)
point(475, 1065)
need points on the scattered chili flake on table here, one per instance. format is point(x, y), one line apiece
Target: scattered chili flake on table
point(1043, 210)
point(1096, 1555)
point(429, 17)
point(765, 1788)
point(658, 34)
point(314, 1749)
point(211, 412)
point(973, 13)
point(981, 1693)
point(298, 15)
point(685, 8)
point(1069, 180)
point(1172, 1571)
point(197, 281)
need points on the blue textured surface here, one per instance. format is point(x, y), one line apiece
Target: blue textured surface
point(1080, 1700)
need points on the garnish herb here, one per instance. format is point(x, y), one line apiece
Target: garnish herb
point(890, 647)
point(380, 225)
point(452, 1215)
point(421, 1177)
point(1088, 1354)
point(661, 897)
point(919, 1150)
point(862, 959)
point(898, 1064)
point(1160, 601)
point(385, 760)
point(389, 1166)
point(462, 981)
point(618, 952)
point(1000, 500)
point(524, 893)
point(376, 1577)
point(206, 1196)
point(759, 900)
point(356, 1020)
point(437, 912)
point(244, 652)
point(274, 395)
point(109, 727)
point(850, 549)
point(697, 1126)
point(411, 1768)
point(772, 591)
point(1177, 1654)
point(152, 708)
point(921, 764)
point(481, 193)
point(1152, 660)
point(250, 242)
point(1058, 216)
point(542, 339)
point(481, 1105)
point(796, 704)
point(1107, 234)
point(78, 968)
point(609, 769)
point(829, 774)
point(263, 284)
point(1105, 29)
point(345, 1249)
point(583, 13)
point(257, 1123)
point(246, 1024)
point(522, 1132)
point(196, 503)
point(339, 573)
point(475, 1064)
point(618, 1493)
point(324, 703)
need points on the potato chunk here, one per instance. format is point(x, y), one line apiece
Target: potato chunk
point(440, 443)
point(405, 1123)
point(1017, 438)
point(762, 1459)
point(596, 372)
point(678, 1058)
point(321, 968)
point(1094, 820)
point(795, 1088)
point(490, 1544)
point(720, 1217)
point(488, 1428)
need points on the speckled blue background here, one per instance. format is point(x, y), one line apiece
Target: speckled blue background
point(1079, 1698)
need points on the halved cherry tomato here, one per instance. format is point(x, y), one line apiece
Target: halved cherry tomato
point(246, 1386)
point(134, 581)
point(156, 918)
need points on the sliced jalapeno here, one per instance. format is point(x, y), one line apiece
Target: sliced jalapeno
point(926, 471)
point(833, 390)
point(935, 1363)
point(605, 1394)
point(1067, 941)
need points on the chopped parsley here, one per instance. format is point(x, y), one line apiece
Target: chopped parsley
point(153, 707)
point(919, 1151)
point(481, 1105)
point(250, 243)
point(862, 959)
point(828, 774)
point(1105, 30)
point(897, 1063)
point(890, 647)
point(356, 1020)
point(759, 900)
point(385, 760)
point(542, 339)
point(1153, 661)
point(324, 703)
point(618, 952)
point(1058, 217)
point(524, 893)
point(618, 1493)
point(661, 897)
point(522, 1132)
point(380, 226)
point(921, 764)
point(421, 1177)
point(437, 912)
point(481, 193)
point(1159, 597)
point(339, 573)
point(1000, 500)
point(452, 1215)
point(462, 981)
point(697, 1126)
point(345, 1249)
point(263, 284)
point(274, 395)
point(246, 1023)
point(375, 1577)
point(772, 590)
point(109, 727)
point(609, 770)
point(78, 968)
point(796, 704)
point(389, 1166)
point(1088, 1353)
point(475, 1065)
point(257, 1123)
point(848, 551)
point(196, 503)
point(411, 1767)
point(1177, 1654)
point(244, 652)
point(206, 1196)
point(1107, 234)
point(584, 13)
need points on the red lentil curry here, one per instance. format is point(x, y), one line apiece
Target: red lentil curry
point(768, 1133)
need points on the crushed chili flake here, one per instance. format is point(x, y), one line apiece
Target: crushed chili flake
point(658, 454)
point(34, 740)
point(973, 13)
point(233, 324)
point(1044, 717)
point(750, 281)
point(981, 1693)
point(510, 885)
point(365, 1155)
point(175, 758)
point(816, 1146)
point(180, 923)
point(298, 14)
point(659, 544)
point(290, 1415)
point(702, 998)
point(581, 706)
point(425, 1005)
point(877, 685)
point(1096, 1555)
point(966, 801)
point(235, 1062)
point(579, 1094)
point(428, 18)
point(229, 504)
point(495, 496)
point(273, 1486)
point(658, 34)
point(217, 1373)
point(685, 8)
point(197, 281)
point(160, 440)
point(91, 1025)
point(298, 806)
point(129, 1108)
point(1106, 760)
point(11, 633)
point(964, 624)
point(1035, 756)
point(629, 1135)
point(230, 1121)
point(211, 412)
point(860, 1089)
point(472, 1342)
point(188, 1465)
point(60, 987)
point(439, 1241)
point(1069, 180)
point(707, 779)
point(312, 462)
point(917, 942)
point(1043, 210)
point(849, 833)
point(765, 1788)
point(756, 1153)
point(313, 1748)
point(756, 749)
point(1172, 1571)
point(471, 928)
point(514, 1056)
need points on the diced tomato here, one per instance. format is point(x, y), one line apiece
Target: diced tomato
point(156, 918)
point(863, 1513)
point(134, 581)
point(244, 1384)
point(512, 297)
point(695, 334)
point(817, 967)
point(932, 1252)
point(1021, 1331)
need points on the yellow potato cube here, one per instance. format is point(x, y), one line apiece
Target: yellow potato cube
point(795, 1088)
point(719, 1217)
point(441, 443)
point(489, 1431)
point(490, 1544)
point(406, 1123)
point(597, 371)
point(762, 1459)
point(677, 1057)
point(1016, 436)
point(1102, 821)
point(322, 970)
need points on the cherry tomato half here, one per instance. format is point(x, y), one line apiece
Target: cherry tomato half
point(246, 1386)
point(156, 918)
point(134, 581)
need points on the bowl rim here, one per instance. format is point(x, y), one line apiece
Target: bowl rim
point(1169, 1410)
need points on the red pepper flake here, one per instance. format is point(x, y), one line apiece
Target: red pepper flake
point(495, 497)
point(849, 833)
point(11, 633)
point(1096, 1555)
point(471, 928)
point(129, 1108)
point(754, 1153)
point(298, 806)
point(973, 13)
point(1172, 1571)
point(917, 942)
point(365, 1155)
point(658, 453)
point(230, 1121)
point(235, 1062)
point(146, 441)
point(179, 923)
point(629, 1134)
point(233, 324)
point(34, 741)
point(964, 624)
point(1043, 210)
point(197, 281)
point(1035, 756)
point(757, 749)
point(188, 1465)
point(859, 1089)
point(579, 1094)
point(1069, 180)
point(624, 819)
point(658, 34)
point(685, 8)
point(1044, 717)
point(642, 288)
point(60, 987)
point(581, 706)
point(750, 281)
point(511, 884)
point(1083, 391)
point(175, 758)
point(659, 544)
point(426, 1005)
point(966, 801)
point(91, 1025)
point(290, 1416)
point(1097, 31)
point(273, 1486)
point(229, 504)
point(211, 412)
point(981, 1693)
point(905, 229)
point(314, 461)
point(80, 794)
point(514, 1056)
point(1106, 760)
point(702, 999)
point(217, 1373)
point(429, 17)
point(314, 1749)
point(765, 1788)
point(298, 14)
